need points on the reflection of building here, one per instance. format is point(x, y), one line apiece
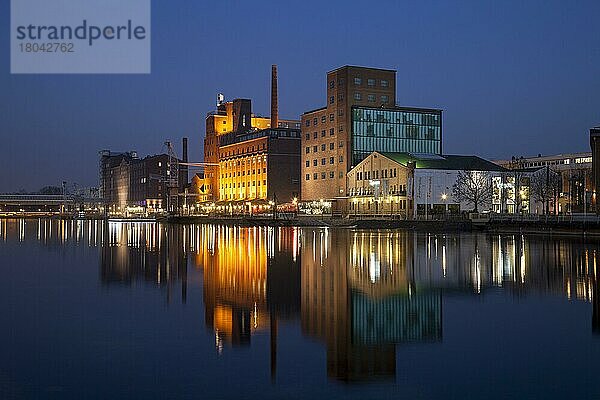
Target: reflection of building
point(251, 280)
point(144, 252)
point(360, 117)
point(357, 298)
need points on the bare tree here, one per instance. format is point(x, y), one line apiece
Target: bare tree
point(473, 187)
point(545, 185)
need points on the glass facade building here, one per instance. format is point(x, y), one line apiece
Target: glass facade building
point(401, 129)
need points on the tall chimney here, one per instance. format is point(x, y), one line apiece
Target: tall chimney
point(274, 106)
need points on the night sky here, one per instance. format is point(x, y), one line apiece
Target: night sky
point(513, 78)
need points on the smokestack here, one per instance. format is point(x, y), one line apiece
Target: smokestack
point(274, 106)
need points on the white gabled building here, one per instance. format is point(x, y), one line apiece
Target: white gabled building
point(411, 184)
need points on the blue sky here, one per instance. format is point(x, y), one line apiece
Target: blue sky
point(513, 78)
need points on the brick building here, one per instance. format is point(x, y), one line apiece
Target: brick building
point(360, 117)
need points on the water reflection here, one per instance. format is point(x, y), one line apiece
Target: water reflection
point(361, 294)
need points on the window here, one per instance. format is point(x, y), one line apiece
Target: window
point(314, 135)
point(322, 133)
point(341, 144)
point(384, 83)
point(371, 97)
point(371, 82)
point(315, 162)
point(340, 112)
point(331, 84)
point(307, 150)
point(331, 117)
point(331, 146)
point(357, 81)
point(323, 119)
point(331, 100)
point(308, 136)
point(307, 177)
point(331, 174)
point(384, 99)
point(341, 97)
point(331, 132)
point(307, 122)
point(307, 163)
point(323, 147)
point(341, 159)
point(323, 161)
point(357, 96)
point(315, 176)
point(331, 160)
point(315, 149)
point(322, 175)
point(341, 174)
point(314, 121)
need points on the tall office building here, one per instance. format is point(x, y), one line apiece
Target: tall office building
point(360, 117)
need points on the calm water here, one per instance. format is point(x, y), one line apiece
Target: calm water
point(110, 310)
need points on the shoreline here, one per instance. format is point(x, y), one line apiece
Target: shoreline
point(554, 228)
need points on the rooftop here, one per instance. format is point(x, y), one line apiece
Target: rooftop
point(359, 67)
point(448, 162)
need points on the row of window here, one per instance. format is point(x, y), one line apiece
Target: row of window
point(243, 196)
point(323, 147)
point(370, 82)
point(323, 175)
point(324, 161)
point(315, 120)
point(426, 118)
point(241, 185)
point(241, 151)
point(243, 173)
point(371, 97)
point(368, 175)
point(252, 160)
point(323, 134)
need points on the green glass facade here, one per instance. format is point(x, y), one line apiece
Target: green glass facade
point(411, 130)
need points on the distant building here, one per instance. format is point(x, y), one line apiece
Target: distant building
point(129, 184)
point(575, 170)
point(360, 117)
point(595, 145)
